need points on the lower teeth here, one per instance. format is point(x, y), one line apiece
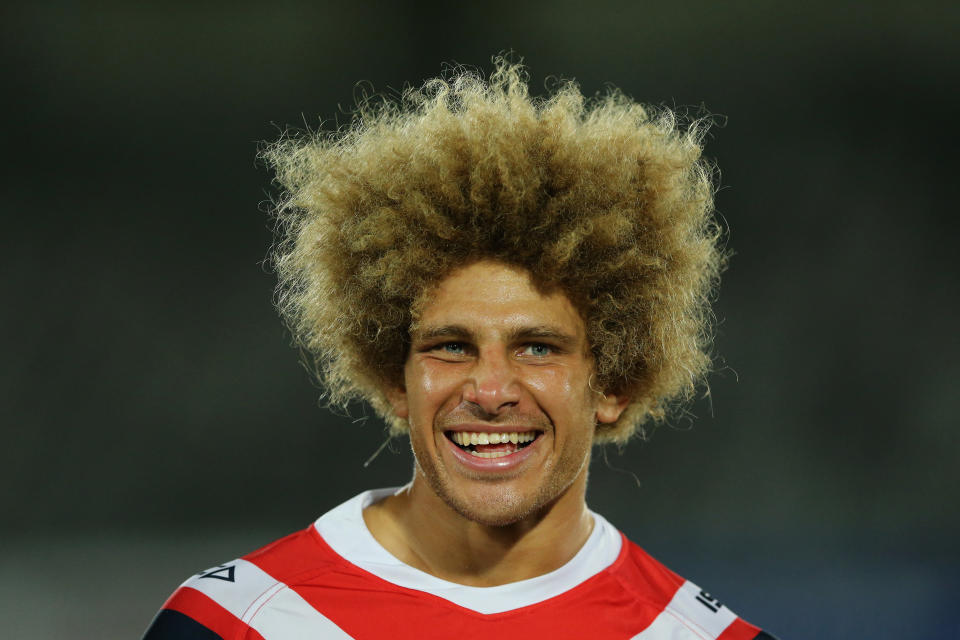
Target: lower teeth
point(484, 454)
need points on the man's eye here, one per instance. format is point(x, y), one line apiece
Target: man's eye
point(537, 350)
point(455, 348)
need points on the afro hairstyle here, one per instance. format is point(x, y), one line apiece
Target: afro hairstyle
point(604, 199)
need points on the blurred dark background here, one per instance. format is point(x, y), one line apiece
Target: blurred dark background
point(155, 420)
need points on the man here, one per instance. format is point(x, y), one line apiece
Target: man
point(509, 281)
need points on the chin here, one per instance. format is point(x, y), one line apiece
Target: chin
point(495, 507)
point(491, 517)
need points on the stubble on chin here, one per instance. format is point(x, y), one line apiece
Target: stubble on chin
point(494, 504)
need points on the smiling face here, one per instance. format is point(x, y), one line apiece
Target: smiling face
point(497, 395)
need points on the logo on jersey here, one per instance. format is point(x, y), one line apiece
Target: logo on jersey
point(224, 573)
point(708, 601)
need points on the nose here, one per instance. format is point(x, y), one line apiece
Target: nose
point(492, 383)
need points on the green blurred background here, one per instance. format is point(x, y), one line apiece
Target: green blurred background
point(155, 420)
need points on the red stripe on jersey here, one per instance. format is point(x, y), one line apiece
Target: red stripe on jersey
point(296, 554)
point(204, 610)
point(739, 630)
point(618, 602)
point(251, 634)
point(645, 576)
point(347, 594)
point(350, 600)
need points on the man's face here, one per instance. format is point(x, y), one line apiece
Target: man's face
point(497, 394)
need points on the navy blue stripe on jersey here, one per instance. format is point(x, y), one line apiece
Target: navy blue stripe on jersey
point(173, 625)
point(763, 635)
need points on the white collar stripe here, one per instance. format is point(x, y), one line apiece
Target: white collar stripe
point(344, 529)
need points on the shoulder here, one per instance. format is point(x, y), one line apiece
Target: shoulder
point(684, 610)
point(276, 591)
point(238, 599)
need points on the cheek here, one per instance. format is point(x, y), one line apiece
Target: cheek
point(548, 380)
point(428, 386)
point(568, 387)
point(432, 382)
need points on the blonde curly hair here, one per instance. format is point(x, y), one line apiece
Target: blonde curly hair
point(606, 199)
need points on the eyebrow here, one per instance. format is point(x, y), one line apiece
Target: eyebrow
point(541, 332)
point(441, 331)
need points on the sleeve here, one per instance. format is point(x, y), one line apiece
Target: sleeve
point(209, 606)
point(699, 610)
point(740, 629)
point(171, 624)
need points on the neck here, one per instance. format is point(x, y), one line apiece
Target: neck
point(421, 530)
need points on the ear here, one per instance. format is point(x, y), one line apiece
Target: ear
point(610, 407)
point(397, 397)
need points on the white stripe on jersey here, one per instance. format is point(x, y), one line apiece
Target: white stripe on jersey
point(690, 615)
point(264, 603)
point(290, 617)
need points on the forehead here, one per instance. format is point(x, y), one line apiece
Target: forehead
point(491, 296)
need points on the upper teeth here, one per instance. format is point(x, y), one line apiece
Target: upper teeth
point(475, 437)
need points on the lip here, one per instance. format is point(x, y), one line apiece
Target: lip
point(490, 465)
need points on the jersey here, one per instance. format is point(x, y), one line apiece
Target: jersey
point(334, 581)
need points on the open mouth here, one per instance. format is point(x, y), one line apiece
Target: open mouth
point(492, 444)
